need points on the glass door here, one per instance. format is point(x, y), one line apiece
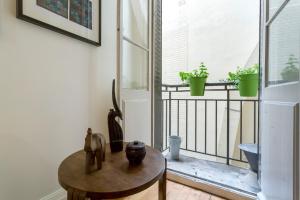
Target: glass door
point(135, 69)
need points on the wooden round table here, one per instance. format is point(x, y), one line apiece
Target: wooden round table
point(116, 179)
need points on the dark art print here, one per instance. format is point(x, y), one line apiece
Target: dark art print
point(59, 7)
point(79, 19)
point(81, 12)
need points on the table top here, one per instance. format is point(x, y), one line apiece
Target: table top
point(116, 179)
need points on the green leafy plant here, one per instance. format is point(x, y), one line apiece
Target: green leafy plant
point(291, 71)
point(235, 77)
point(201, 72)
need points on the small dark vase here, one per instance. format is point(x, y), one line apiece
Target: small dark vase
point(135, 152)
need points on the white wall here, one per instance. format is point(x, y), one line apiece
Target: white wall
point(52, 88)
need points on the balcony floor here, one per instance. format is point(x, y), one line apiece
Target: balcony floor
point(239, 179)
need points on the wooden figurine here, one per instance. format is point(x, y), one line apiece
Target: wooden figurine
point(95, 148)
point(114, 128)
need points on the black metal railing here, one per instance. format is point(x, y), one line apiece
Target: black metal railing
point(183, 114)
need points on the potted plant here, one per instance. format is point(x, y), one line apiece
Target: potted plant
point(291, 71)
point(196, 80)
point(246, 80)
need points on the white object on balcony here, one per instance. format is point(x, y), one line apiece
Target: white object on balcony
point(175, 142)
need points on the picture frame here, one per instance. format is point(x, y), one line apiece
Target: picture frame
point(79, 19)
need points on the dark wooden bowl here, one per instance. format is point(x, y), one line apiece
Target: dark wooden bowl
point(135, 152)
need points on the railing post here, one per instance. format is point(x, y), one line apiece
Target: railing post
point(228, 123)
point(170, 116)
point(166, 122)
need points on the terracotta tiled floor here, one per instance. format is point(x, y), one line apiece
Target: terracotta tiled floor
point(177, 191)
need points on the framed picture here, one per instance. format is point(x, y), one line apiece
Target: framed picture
point(80, 19)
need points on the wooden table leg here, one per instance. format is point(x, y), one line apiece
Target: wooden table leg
point(75, 195)
point(163, 184)
point(70, 194)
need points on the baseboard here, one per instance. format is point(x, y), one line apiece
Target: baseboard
point(57, 195)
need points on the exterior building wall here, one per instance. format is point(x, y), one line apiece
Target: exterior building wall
point(222, 34)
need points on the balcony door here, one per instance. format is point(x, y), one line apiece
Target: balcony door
point(134, 61)
point(280, 96)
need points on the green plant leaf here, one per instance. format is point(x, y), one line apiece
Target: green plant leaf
point(201, 72)
point(235, 76)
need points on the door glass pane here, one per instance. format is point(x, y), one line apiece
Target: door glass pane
point(135, 21)
point(274, 5)
point(284, 45)
point(135, 67)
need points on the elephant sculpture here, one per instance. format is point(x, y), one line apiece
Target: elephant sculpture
point(94, 147)
point(114, 128)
